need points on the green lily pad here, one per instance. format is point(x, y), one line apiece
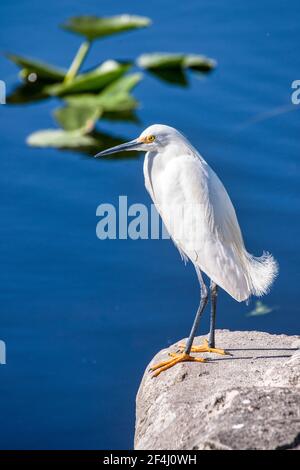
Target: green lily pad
point(121, 85)
point(120, 102)
point(114, 97)
point(160, 61)
point(58, 138)
point(199, 63)
point(83, 100)
point(175, 61)
point(75, 141)
point(93, 27)
point(172, 68)
point(94, 80)
point(124, 84)
point(41, 69)
point(72, 118)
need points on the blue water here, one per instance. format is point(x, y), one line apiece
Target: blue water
point(81, 317)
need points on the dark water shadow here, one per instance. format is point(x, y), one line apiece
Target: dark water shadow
point(233, 358)
point(228, 358)
point(173, 76)
point(27, 93)
point(263, 349)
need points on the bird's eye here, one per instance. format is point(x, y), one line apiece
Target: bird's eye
point(150, 138)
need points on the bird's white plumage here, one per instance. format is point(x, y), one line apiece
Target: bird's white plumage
point(200, 217)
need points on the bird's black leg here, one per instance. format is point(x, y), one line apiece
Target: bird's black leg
point(184, 350)
point(213, 297)
point(203, 302)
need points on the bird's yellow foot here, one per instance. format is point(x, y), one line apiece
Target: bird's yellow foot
point(205, 348)
point(175, 359)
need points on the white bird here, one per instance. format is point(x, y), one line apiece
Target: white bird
point(201, 220)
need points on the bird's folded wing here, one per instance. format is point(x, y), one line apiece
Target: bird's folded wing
point(201, 219)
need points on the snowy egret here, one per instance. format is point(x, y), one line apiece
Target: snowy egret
point(202, 222)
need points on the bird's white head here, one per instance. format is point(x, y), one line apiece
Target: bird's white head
point(154, 138)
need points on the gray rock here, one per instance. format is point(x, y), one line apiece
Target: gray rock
point(289, 375)
point(250, 400)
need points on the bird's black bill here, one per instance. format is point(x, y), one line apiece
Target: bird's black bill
point(132, 145)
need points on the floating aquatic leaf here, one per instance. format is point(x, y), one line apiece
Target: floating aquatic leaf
point(104, 91)
point(76, 141)
point(117, 103)
point(114, 97)
point(80, 100)
point(171, 67)
point(160, 61)
point(58, 138)
point(94, 80)
point(43, 71)
point(124, 84)
point(260, 309)
point(199, 63)
point(93, 27)
point(121, 85)
point(73, 118)
point(174, 61)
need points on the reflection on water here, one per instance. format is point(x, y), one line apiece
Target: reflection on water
point(26, 93)
point(81, 318)
point(173, 76)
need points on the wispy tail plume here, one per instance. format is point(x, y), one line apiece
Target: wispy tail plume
point(262, 272)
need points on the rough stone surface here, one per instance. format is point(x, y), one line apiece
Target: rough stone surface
point(250, 400)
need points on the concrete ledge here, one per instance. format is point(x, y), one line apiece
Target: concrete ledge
point(250, 400)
